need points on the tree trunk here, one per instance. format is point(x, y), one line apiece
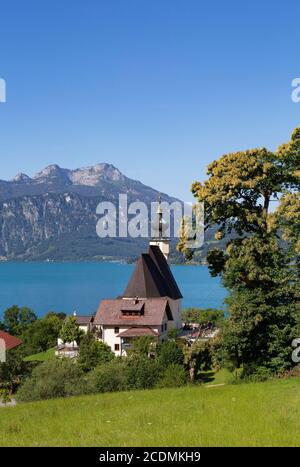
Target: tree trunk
point(266, 203)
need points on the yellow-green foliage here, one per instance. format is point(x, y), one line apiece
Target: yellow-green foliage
point(288, 218)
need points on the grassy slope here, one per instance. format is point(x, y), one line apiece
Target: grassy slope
point(260, 414)
point(41, 357)
point(220, 377)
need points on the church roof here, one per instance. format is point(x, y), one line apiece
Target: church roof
point(152, 277)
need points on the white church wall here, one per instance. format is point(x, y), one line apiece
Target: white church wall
point(110, 337)
point(175, 306)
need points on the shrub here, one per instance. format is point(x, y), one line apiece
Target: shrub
point(5, 396)
point(257, 374)
point(173, 333)
point(142, 372)
point(169, 353)
point(198, 357)
point(14, 370)
point(173, 377)
point(293, 372)
point(143, 345)
point(93, 353)
point(52, 378)
point(107, 377)
point(134, 372)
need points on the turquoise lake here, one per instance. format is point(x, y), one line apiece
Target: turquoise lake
point(80, 286)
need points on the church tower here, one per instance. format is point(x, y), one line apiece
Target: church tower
point(159, 227)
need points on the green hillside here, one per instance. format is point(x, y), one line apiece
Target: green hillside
point(256, 414)
point(41, 356)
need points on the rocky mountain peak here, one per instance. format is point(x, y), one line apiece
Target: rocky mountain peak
point(39, 215)
point(93, 175)
point(49, 171)
point(90, 176)
point(21, 177)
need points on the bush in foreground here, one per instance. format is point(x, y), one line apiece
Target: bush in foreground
point(108, 377)
point(142, 372)
point(93, 353)
point(173, 377)
point(169, 352)
point(53, 378)
point(134, 372)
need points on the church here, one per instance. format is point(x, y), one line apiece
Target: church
point(150, 305)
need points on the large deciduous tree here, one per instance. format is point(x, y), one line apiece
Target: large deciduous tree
point(93, 352)
point(42, 334)
point(258, 265)
point(70, 332)
point(14, 370)
point(17, 319)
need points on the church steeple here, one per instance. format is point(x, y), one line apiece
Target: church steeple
point(159, 226)
point(159, 218)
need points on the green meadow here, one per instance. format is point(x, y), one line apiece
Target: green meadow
point(41, 356)
point(253, 414)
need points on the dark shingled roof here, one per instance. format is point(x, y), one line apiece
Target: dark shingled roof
point(84, 320)
point(132, 305)
point(152, 277)
point(110, 312)
point(10, 341)
point(137, 332)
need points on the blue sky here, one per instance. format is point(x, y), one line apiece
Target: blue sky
point(157, 88)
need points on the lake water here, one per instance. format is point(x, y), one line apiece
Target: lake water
point(80, 286)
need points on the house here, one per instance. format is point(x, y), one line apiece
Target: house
point(7, 342)
point(85, 323)
point(150, 305)
point(10, 341)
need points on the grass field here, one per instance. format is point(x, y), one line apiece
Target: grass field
point(256, 414)
point(41, 357)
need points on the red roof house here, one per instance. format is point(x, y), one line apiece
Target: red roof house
point(10, 341)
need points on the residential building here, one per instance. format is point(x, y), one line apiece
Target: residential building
point(150, 305)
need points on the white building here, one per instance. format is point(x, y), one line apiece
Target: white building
point(150, 305)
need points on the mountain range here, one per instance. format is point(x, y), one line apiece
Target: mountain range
point(52, 215)
point(100, 180)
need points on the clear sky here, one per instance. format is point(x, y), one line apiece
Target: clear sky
point(158, 88)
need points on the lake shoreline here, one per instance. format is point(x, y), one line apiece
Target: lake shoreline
point(79, 261)
point(80, 286)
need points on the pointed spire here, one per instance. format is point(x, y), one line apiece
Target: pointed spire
point(160, 218)
point(159, 209)
point(160, 227)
